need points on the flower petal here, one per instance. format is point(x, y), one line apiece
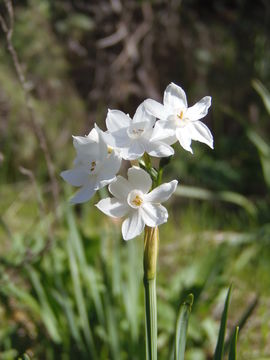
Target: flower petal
point(84, 194)
point(120, 188)
point(141, 115)
point(109, 169)
point(158, 149)
point(75, 177)
point(85, 147)
point(132, 226)
point(184, 138)
point(199, 110)
point(90, 138)
point(153, 214)
point(113, 207)
point(174, 97)
point(156, 109)
point(200, 132)
point(164, 130)
point(117, 120)
point(162, 193)
point(139, 179)
point(134, 151)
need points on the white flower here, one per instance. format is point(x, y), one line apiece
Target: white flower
point(94, 167)
point(133, 136)
point(131, 199)
point(177, 120)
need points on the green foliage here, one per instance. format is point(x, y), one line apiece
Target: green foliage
point(181, 328)
point(222, 330)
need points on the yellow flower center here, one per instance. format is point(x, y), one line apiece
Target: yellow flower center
point(137, 200)
point(110, 149)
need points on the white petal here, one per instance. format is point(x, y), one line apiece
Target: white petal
point(83, 195)
point(164, 130)
point(113, 207)
point(158, 149)
point(108, 138)
point(139, 179)
point(134, 151)
point(153, 214)
point(120, 188)
point(117, 120)
point(141, 115)
point(162, 193)
point(156, 109)
point(109, 168)
point(184, 138)
point(103, 148)
point(200, 132)
point(92, 137)
point(132, 226)
point(199, 110)
point(75, 177)
point(86, 147)
point(175, 97)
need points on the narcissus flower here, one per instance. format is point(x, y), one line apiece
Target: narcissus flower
point(177, 120)
point(94, 167)
point(133, 136)
point(131, 198)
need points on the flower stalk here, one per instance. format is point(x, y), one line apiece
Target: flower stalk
point(151, 243)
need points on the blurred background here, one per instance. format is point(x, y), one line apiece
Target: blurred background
point(70, 286)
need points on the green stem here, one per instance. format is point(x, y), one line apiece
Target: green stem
point(151, 240)
point(150, 319)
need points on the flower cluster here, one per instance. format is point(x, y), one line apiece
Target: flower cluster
point(152, 130)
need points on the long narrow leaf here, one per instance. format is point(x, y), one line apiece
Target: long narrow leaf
point(80, 301)
point(222, 330)
point(232, 353)
point(226, 196)
point(263, 92)
point(85, 269)
point(181, 328)
point(47, 312)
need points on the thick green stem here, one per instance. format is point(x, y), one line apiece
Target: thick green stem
point(151, 240)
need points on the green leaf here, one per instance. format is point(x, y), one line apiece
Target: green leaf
point(263, 92)
point(222, 330)
point(181, 328)
point(264, 152)
point(226, 196)
point(232, 353)
point(47, 314)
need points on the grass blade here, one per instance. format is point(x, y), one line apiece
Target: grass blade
point(232, 353)
point(80, 301)
point(47, 313)
point(263, 92)
point(181, 328)
point(86, 271)
point(226, 196)
point(222, 330)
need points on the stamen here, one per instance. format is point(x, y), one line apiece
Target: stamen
point(110, 149)
point(137, 200)
point(137, 131)
point(181, 115)
point(93, 166)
